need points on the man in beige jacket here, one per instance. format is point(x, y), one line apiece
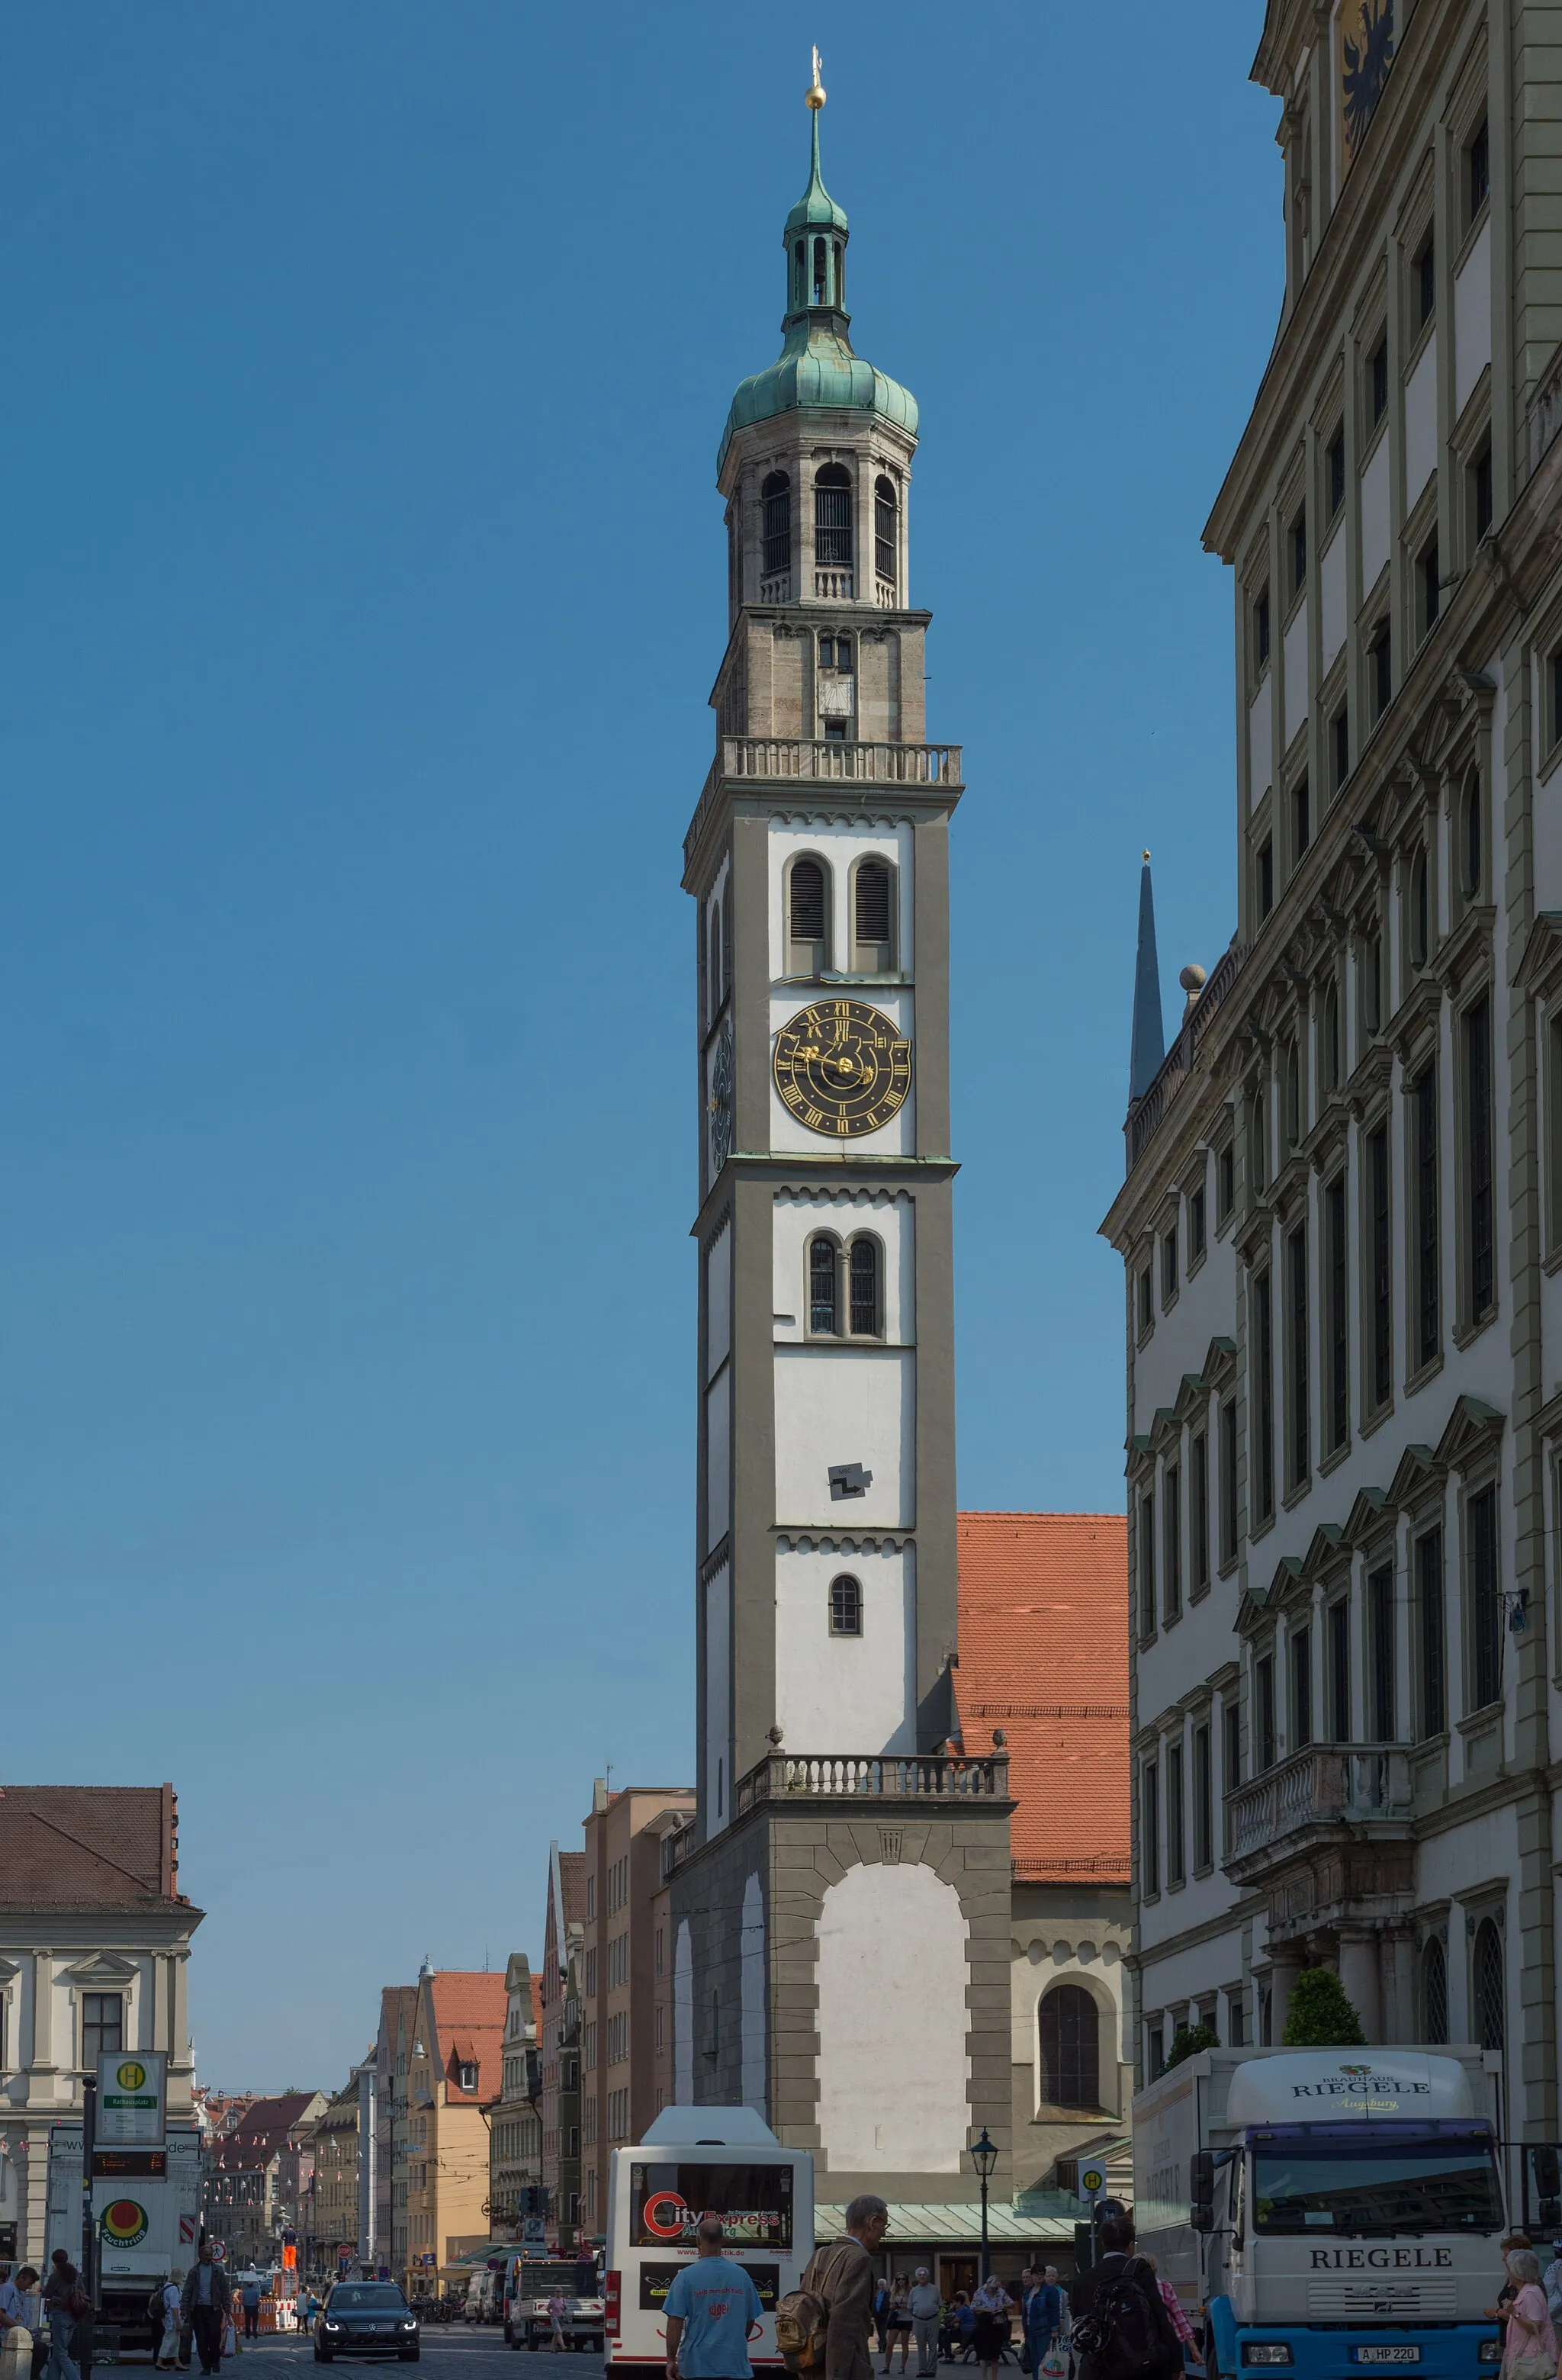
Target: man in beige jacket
point(841, 2277)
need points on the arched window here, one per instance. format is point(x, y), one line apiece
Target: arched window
point(1293, 1097)
point(807, 918)
point(1331, 1038)
point(821, 272)
point(832, 514)
point(1490, 1997)
point(1434, 1991)
point(866, 1270)
point(727, 938)
point(799, 275)
point(1471, 854)
point(886, 531)
point(715, 972)
point(839, 274)
point(1420, 917)
point(845, 1607)
point(824, 1293)
point(775, 505)
point(873, 917)
point(1070, 2028)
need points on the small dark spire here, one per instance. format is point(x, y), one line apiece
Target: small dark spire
point(1149, 1030)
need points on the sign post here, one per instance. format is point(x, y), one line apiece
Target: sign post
point(1093, 2181)
point(132, 2097)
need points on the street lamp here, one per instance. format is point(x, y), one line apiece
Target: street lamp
point(984, 2156)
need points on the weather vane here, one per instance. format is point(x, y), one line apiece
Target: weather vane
point(816, 93)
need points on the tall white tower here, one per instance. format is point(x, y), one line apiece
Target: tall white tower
point(840, 1907)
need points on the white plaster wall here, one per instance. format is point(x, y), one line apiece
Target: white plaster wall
point(719, 1301)
point(718, 1697)
point(893, 2072)
point(751, 1997)
point(717, 1456)
point(1296, 670)
point(838, 842)
point(898, 1138)
point(890, 1215)
point(683, 2017)
point(845, 1404)
point(841, 1694)
point(1421, 422)
point(1260, 739)
point(1374, 514)
point(1473, 317)
point(1331, 595)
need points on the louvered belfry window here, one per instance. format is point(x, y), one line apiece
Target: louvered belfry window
point(865, 1288)
point(832, 515)
point(873, 902)
point(822, 1292)
point(775, 505)
point(807, 901)
point(886, 531)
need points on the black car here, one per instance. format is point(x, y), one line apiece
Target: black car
point(366, 2318)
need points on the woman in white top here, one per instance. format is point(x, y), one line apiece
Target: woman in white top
point(173, 2318)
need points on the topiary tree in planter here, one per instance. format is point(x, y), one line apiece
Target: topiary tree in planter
point(1187, 2042)
point(1320, 2016)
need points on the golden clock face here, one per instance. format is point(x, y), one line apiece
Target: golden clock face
point(842, 1067)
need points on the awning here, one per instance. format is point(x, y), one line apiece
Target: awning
point(956, 2226)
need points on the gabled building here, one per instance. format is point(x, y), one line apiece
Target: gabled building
point(258, 2176)
point(515, 2116)
point(562, 1980)
point(392, 2057)
point(94, 1952)
point(454, 2070)
point(330, 2235)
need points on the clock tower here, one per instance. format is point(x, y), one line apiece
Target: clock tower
point(841, 1905)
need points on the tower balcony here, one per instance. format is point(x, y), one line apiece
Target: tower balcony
point(1329, 1791)
point(763, 759)
point(871, 1776)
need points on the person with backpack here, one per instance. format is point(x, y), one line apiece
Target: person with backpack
point(1121, 2331)
point(67, 2304)
point(824, 2328)
point(712, 2311)
point(165, 2309)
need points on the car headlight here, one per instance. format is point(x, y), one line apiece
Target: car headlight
point(1489, 2352)
point(410, 2324)
point(332, 2326)
point(1265, 2351)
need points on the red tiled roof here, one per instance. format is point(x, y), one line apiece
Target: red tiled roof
point(572, 1880)
point(260, 2133)
point(468, 2015)
point(1044, 1655)
point(89, 1847)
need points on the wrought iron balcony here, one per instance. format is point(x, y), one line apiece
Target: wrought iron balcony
point(1323, 1788)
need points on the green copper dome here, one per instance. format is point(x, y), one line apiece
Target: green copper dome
point(817, 365)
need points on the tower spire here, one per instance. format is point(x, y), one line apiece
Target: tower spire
point(1149, 1030)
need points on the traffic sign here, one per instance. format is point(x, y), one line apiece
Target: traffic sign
point(1092, 2181)
point(131, 2093)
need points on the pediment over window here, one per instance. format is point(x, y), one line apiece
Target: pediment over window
point(1289, 1584)
point(9, 1970)
point(1540, 969)
point(1366, 1516)
point(1192, 1397)
point(1253, 1612)
point(1166, 1430)
point(1417, 1470)
point(101, 1971)
point(1474, 1428)
point(1323, 1549)
point(1220, 1363)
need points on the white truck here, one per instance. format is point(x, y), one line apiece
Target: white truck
point(1328, 2211)
point(524, 2291)
point(146, 2207)
point(693, 2162)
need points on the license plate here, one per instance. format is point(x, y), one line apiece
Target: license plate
point(1386, 2355)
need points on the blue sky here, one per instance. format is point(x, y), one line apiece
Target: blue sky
point(364, 585)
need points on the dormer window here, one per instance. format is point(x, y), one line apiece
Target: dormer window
point(468, 2074)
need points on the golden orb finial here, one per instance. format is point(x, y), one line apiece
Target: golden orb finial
point(1146, 859)
point(815, 94)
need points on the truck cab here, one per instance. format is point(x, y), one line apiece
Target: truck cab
point(1328, 2212)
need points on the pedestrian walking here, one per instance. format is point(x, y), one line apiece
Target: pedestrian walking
point(173, 2319)
point(881, 2315)
point(556, 2310)
point(1173, 2305)
point(991, 2305)
point(65, 2303)
point(203, 2304)
point(1119, 2297)
point(1041, 2318)
point(1530, 2345)
point(841, 2276)
point(250, 2298)
point(897, 2322)
point(712, 2311)
point(926, 2305)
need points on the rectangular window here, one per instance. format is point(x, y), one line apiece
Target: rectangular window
point(1553, 692)
point(1230, 1748)
point(1477, 174)
point(1335, 470)
point(1229, 1482)
point(1298, 552)
point(1147, 1564)
point(1485, 1609)
point(1203, 1805)
point(1264, 1396)
point(1260, 630)
point(1380, 1255)
point(1429, 1616)
point(1226, 1180)
point(1378, 382)
point(1176, 1869)
point(1149, 1830)
point(1480, 494)
point(1198, 1512)
point(1171, 1522)
point(1300, 818)
point(1264, 1681)
point(1340, 1672)
point(1424, 1112)
point(102, 2027)
point(1372, 983)
point(1196, 1227)
point(1168, 1265)
point(1300, 1387)
point(1300, 1688)
point(1265, 876)
point(1380, 670)
point(1380, 1643)
point(1236, 2022)
point(1553, 1131)
point(1147, 1301)
point(1431, 586)
point(1426, 281)
point(1339, 735)
point(1335, 1257)
point(1478, 1098)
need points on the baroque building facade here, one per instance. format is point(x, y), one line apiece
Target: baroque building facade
point(1342, 1219)
point(840, 1905)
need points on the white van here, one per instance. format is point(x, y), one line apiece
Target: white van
point(693, 2162)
